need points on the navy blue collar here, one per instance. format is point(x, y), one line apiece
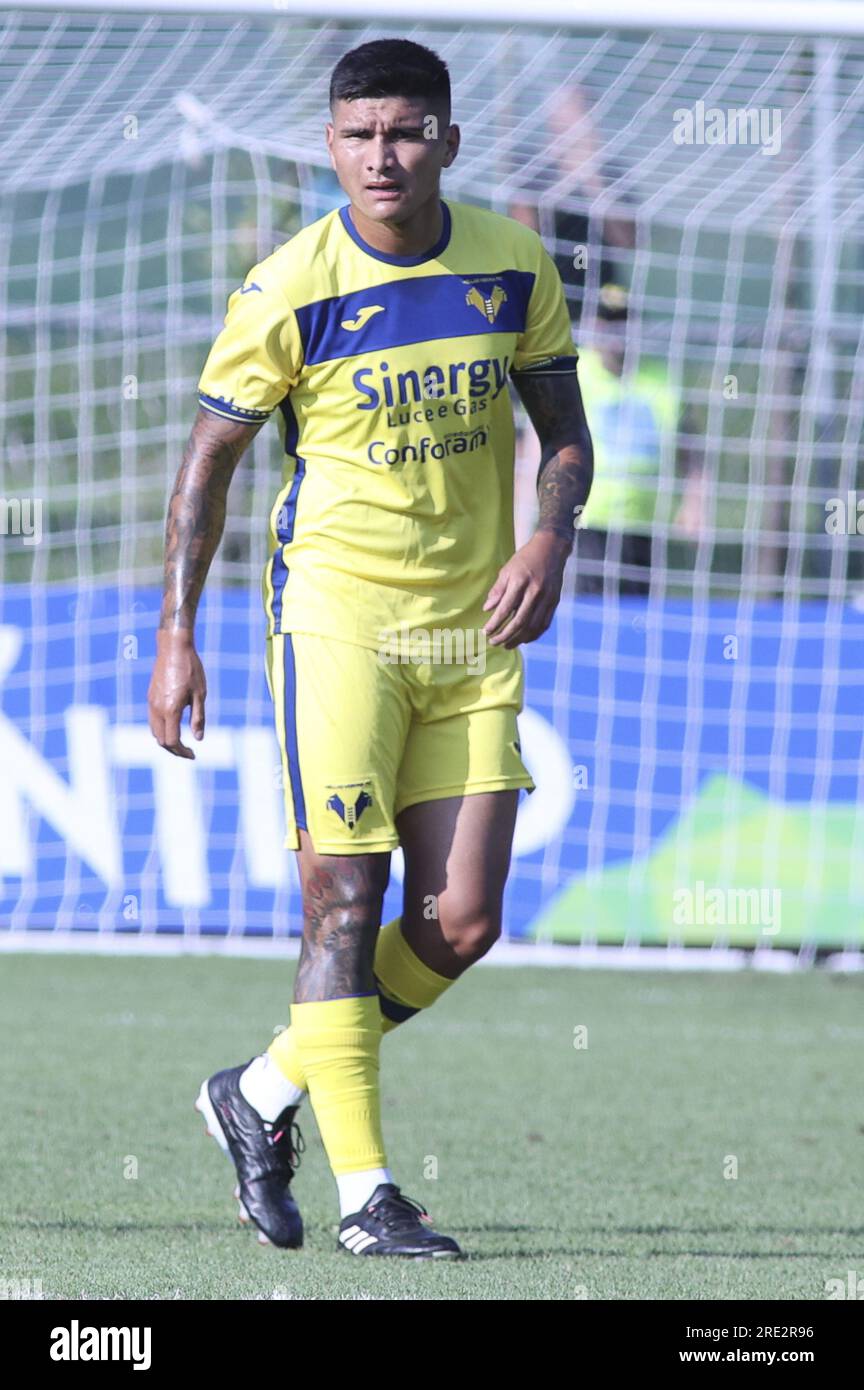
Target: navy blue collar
point(440, 245)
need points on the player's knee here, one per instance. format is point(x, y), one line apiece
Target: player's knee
point(341, 921)
point(473, 930)
point(349, 912)
point(347, 900)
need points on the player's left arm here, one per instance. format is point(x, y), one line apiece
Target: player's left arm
point(526, 593)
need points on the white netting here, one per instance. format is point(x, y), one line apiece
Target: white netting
point(147, 161)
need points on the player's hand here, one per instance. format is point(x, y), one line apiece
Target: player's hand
point(178, 681)
point(525, 595)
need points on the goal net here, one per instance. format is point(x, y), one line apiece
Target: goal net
point(694, 721)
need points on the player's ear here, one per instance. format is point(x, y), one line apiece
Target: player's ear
point(330, 135)
point(452, 138)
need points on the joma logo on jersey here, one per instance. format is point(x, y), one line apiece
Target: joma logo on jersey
point(487, 304)
point(379, 386)
point(350, 805)
point(363, 316)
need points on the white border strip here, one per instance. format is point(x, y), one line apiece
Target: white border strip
point(503, 953)
point(736, 16)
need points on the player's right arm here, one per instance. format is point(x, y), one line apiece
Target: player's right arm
point(193, 530)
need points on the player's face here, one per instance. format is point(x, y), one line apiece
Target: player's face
point(388, 153)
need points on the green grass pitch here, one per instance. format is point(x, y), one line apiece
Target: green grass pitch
point(565, 1172)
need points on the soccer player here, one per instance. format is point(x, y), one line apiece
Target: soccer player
point(384, 336)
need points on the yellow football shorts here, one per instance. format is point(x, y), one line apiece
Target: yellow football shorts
point(362, 738)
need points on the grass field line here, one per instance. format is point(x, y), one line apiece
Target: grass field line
point(503, 953)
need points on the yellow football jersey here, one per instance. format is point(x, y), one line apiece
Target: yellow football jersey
point(390, 378)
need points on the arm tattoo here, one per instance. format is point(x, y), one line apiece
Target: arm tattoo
point(341, 919)
point(196, 512)
point(554, 406)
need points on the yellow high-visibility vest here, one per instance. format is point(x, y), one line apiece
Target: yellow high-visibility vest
point(633, 422)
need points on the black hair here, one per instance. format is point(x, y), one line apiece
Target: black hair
point(391, 68)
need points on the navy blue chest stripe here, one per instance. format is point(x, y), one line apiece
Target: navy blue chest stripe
point(417, 310)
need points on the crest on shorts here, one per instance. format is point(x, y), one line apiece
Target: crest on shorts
point(349, 801)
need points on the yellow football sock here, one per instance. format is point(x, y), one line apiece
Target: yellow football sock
point(338, 1042)
point(405, 986)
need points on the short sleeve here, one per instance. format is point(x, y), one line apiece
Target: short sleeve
point(546, 343)
point(256, 359)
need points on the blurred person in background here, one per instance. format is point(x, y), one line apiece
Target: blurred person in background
point(582, 179)
point(635, 418)
point(574, 161)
